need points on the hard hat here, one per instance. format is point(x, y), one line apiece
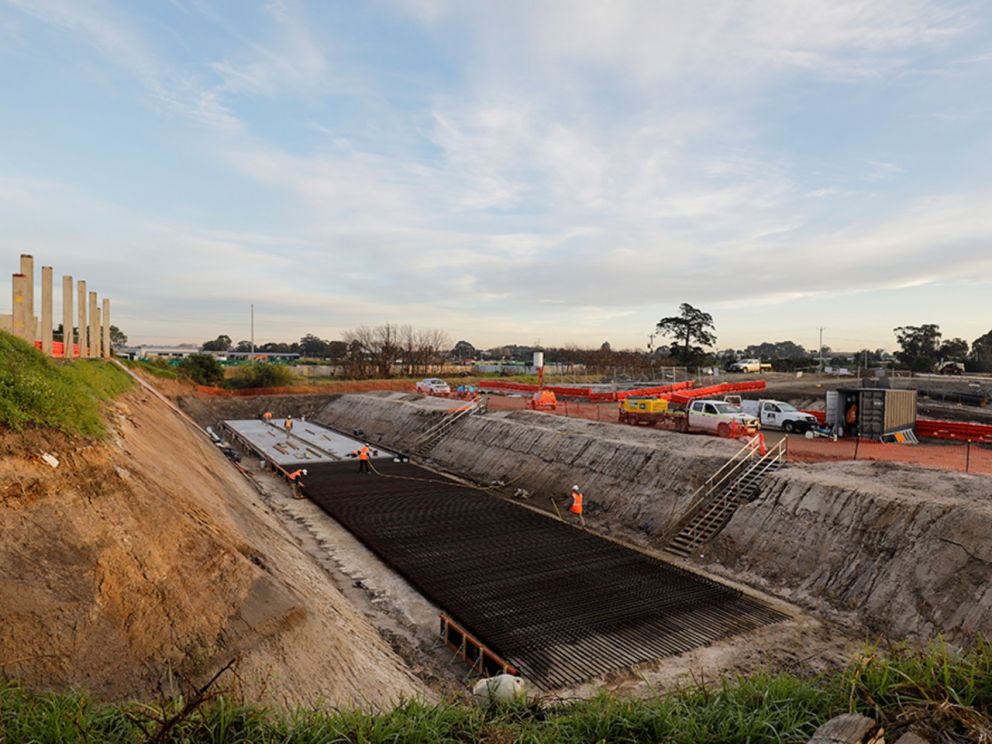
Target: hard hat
point(575, 488)
point(304, 471)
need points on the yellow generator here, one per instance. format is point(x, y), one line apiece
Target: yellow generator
point(649, 411)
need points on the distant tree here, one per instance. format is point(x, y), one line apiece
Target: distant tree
point(776, 350)
point(337, 350)
point(605, 347)
point(919, 346)
point(314, 346)
point(953, 349)
point(463, 350)
point(203, 369)
point(243, 347)
point(981, 353)
point(691, 331)
point(117, 337)
point(221, 343)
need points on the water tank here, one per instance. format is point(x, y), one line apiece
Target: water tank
point(538, 359)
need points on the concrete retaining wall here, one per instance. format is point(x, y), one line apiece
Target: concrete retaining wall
point(636, 480)
point(905, 550)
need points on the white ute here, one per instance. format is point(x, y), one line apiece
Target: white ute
point(750, 365)
point(433, 385)
point(777, 414)
point(716, 416)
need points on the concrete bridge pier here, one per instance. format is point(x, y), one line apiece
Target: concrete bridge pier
point(67, 317)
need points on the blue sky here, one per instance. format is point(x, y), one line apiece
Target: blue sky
point(554, 172)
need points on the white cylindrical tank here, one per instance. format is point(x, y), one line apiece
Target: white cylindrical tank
point(538, 359)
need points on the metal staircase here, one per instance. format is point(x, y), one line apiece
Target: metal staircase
point(715, 502)
point(427, 441)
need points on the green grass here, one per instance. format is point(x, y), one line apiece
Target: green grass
point(36, 390)
point(944, 693)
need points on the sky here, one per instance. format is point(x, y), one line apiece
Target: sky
point(514, 172)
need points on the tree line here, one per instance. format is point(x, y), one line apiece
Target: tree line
point(388, 349)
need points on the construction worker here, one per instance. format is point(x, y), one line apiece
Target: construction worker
point(363, 458)
point(851, 418)
point(576, 506)
point(288, 426)
point(267, 416)
point(296, 479)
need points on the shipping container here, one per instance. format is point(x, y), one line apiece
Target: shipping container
point(878, 412)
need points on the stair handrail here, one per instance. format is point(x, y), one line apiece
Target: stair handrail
point(447, 420)
point(774, 454)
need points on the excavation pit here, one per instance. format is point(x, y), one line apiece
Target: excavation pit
point(554, 601)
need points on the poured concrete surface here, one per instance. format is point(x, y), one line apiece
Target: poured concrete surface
point(307, 443)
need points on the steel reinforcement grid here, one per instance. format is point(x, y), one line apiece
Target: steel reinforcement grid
point(559, 603)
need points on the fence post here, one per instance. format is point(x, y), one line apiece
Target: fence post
point(857, 443)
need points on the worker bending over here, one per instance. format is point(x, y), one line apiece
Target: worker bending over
point(296, 479)
point(576, 506)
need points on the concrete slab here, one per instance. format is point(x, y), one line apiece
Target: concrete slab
point(308, 442)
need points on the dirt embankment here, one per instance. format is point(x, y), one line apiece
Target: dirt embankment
point(905, 551)
point(207, 411)
point(147, 559)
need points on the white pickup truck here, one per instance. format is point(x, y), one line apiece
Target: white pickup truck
point(750, 365)
point(716, 416)
point(777, 414)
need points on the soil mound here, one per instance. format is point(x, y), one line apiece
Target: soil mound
point(147, 559)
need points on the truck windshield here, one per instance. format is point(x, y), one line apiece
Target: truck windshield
point(787, 407)
point(726, 408)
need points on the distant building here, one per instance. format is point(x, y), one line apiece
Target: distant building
point(185, 350)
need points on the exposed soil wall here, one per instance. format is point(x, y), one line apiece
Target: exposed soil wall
point(207, 411)
point(905, 550)
point(635, 479)
point(148, 559)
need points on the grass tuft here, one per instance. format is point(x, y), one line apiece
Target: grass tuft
point(36, 390)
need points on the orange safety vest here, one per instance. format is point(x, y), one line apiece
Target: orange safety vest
point(363, 453)
point(295, 474)
point(576, 506)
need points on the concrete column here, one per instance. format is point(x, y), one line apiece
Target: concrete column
point(27, 268)
point(96, 347)
point(81, 319)
point(46, 310)
point(107, 353)
point(93, 337)
point(19, 303)
point(67, 317)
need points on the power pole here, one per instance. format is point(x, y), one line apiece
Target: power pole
point(253, 330)
point(821, 348)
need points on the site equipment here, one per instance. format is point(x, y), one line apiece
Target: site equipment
point(542, 400)
point(651, 412)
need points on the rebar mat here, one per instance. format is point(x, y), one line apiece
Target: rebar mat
point(559, 603)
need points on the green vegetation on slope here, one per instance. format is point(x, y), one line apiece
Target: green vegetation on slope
point(938, 690)
point(36, 390)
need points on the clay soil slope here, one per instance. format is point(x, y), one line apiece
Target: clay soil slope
point(147, 559)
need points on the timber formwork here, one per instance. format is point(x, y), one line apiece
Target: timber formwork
point(558, 603)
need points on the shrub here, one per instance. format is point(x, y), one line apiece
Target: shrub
point(203, 369)
point(258, 375)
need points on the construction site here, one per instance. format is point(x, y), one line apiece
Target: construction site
point(361, 549)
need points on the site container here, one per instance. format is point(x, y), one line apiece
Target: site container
point(879, 411)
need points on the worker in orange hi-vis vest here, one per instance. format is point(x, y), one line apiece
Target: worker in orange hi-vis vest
point(576, 507)
point(267, 416)
point(363, 458)
point(296, 479)
point(288, 426)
